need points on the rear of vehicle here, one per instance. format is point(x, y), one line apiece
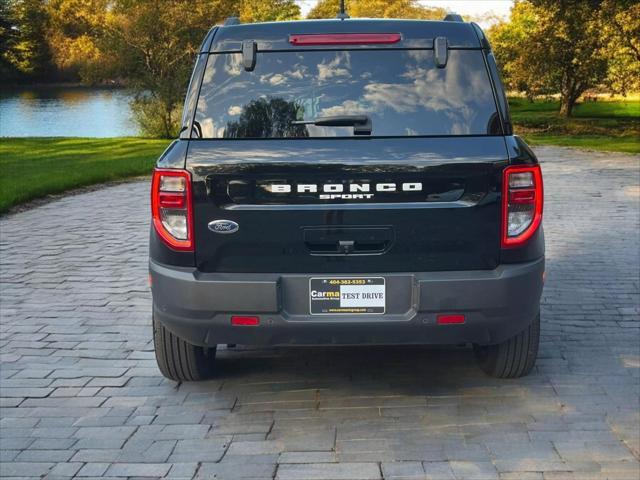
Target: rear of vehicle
point(346, 182)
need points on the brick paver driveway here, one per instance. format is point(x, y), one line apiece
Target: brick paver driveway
point(81, 394)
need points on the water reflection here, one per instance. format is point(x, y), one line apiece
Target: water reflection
point(65, 112)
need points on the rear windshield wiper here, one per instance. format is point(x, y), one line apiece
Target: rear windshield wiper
point(361, 123)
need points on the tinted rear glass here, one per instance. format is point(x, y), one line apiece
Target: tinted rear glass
point(402, 92)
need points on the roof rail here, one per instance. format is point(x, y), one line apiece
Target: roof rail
point(231, 21)
point(453, 17)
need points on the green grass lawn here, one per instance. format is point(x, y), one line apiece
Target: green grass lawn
point(602, 125)
point(35, 167)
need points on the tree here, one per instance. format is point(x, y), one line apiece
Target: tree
point(268, 11)
point(551, 46)
point(8, 40)
point(72, 32)
point(27, 52)
point(152, 44)
point(265, 118)
point(620, 32)
point(509, 40)
point(378, 9)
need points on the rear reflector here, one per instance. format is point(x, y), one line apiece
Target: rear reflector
point(239, 321)
point(344, 39)
point(449, 319)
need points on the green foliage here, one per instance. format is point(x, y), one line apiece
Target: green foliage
point(155, 118)
point(268, 11)
point(74, 26)
point(26, 54)
point(147, 44)
point(36, 167)
point(620, 33)
point(377, 9)
point(550, 47)
point(508, 40)
point(152, 44)
point(569, 47)
point(8, 40)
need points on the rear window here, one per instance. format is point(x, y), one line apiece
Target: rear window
point(401, 91)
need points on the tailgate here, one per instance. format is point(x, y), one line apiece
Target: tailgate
point(348, 205)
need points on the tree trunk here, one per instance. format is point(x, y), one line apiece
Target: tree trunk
point(567, 102)
point(167, 121)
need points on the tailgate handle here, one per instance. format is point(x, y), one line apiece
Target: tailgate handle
point(348, 241)
point(346, 246)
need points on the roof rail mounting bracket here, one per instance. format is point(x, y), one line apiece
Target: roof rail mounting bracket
point(232, 21)
point(441, 51)
point(249, 51)
point(453, 17)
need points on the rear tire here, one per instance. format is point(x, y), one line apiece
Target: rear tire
point(512, 358)
point(180, 360)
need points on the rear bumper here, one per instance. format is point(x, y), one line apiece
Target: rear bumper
point(497, 305)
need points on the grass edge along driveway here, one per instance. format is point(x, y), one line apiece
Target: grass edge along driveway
point(36, 167)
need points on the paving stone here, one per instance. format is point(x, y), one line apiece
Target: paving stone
point(93, 469)
point(403, 471)
point(474, 470)
point(183, 470)
point(64, 470)
point(255, 448)
point(438, 471)
point(307, 457)
point(232, 471)
point(521, 476)
point(25, 469)
point(138, 470)
point(326, 471)
point(209, 449)
point(45, 455)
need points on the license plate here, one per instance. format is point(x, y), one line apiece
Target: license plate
point(348, 295)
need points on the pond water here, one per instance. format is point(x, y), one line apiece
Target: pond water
point(65, 112)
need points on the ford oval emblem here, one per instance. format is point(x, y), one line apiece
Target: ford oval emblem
point(223, 226)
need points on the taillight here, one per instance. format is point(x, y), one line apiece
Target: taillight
point(522, 200)
point(171, 208)
point(344, 38)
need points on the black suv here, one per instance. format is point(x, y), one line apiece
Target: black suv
point(342, 182)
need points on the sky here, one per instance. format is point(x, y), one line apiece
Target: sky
point(474, 8)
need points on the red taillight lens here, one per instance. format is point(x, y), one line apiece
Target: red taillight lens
point(344, 38)
point(522, 201)
point(241, 321)
point(171, 208)
point(171, 200)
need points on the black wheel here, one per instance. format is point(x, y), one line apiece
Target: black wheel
point(180, 360)
point(513, 358)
